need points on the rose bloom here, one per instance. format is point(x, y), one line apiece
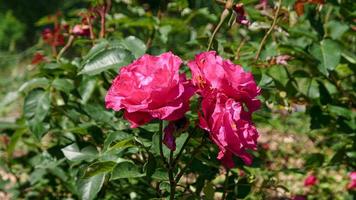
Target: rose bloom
point(228, 100)
point(210, 71)
point(352, 183)
point(230, 127)
point(310, 180)
point(151, 88)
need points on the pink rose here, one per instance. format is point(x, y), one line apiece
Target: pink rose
point(210, 71)
point(310, 180)
point(151, 88)
point(352, 183)
point(229, 126)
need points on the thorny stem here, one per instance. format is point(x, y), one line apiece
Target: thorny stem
point(102, 22)
point(221, 1)
point(223, 16)
point(326, 19)
point(69, 43)
point(269, 30)
point(225, 184)
point(181, 172)
point(172, 162)
point(242, 43)
point(168, 164)
point(54, 50)
point(171, 176)
point(102, 12)
point(91, 30)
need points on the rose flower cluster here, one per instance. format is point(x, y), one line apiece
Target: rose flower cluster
point(153, 88)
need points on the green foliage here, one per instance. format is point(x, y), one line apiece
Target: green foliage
point(11, 31)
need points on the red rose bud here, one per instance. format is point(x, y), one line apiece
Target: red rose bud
point(310, 180)
point(37, 58)
point(169, 139)
point(240, 14)
point(81, 30)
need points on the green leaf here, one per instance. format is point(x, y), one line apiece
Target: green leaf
point(123, 144)
point(86, 88)
point(340, 111)
point(34, 83)
point(209, 191)
point(313, 89)
point(150, 166)
point(88, 188)
point(65, 85)
point(160, 174)
point(126, 170)
point(279, 75)
point(72, 152)
point(134, 45)
point(99, 168)
point(180, 141)
point(165, 186)
point(8, 99)
point(13, 141)
point(37, 105)
point(115, 136)
point(164, 31)
point(314, 160)
point(336, 29)
point(328, 53)
point(38, 128)
point(243, 188)
point(36, 108)
point(309, 87)
point(98, 113)
point(105, 56)
point(96, 49)
point(349, 56)
point(8, 125)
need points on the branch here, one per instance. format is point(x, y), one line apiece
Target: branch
point(69, 43)
point(172, 182)
point(223, 16)
point(181, 172)
point(269, 31)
